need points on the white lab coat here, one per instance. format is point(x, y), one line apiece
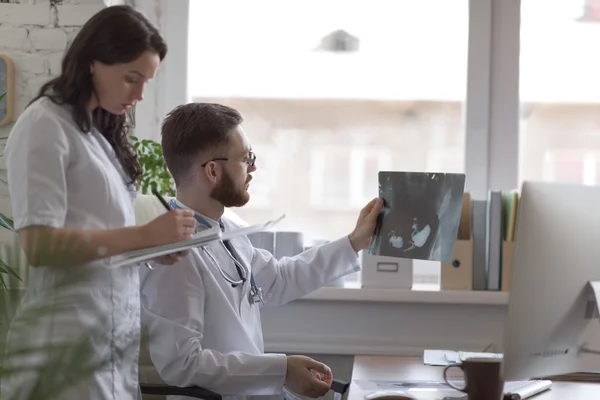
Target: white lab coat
point(59, 177)
point(204, 332)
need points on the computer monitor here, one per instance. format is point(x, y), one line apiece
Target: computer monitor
point(551, 304)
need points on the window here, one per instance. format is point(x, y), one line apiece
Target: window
point(263, 184)
point(346, 178)
point(330, 180)
point(591, 11)
point(335, 91)
point(560, 93)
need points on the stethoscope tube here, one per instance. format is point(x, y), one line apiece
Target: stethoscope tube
point(227, 277)
point(256, 293)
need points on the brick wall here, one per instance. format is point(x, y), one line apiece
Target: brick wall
point(34, 35)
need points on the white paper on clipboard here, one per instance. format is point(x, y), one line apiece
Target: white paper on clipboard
point(199, 239)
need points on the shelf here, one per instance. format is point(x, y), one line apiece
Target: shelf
point(409, 296)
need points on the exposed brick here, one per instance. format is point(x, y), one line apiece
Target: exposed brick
point(35, 34)
point(27, 63)
point(22, 101)
point(77, 15)
point(103, 2)
point(48, 38)
point(21, 14)
point(71, 33)
point(55, 63)
point(13, 38)
point(34, 84)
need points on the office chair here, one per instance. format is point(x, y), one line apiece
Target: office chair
point(338, 387)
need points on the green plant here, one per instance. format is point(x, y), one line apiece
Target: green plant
point(155, 175)
point(2, 96)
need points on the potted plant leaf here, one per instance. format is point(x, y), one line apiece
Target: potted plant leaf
point(155, 172)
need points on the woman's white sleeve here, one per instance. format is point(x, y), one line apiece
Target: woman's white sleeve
point(37, 156)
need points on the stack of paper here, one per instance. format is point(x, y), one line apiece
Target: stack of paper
point(199, 239)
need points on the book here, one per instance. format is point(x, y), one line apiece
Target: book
point(493, 240)
point(199, 239)
point(420, 215)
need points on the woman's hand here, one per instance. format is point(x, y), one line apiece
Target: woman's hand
point(170, 259)
point(171, 227)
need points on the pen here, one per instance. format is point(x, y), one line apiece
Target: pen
point(161, 199)
point(164, 203)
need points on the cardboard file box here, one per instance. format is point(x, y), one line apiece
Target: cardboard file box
point(508, 249)
point(386, 272)
point(458, 274)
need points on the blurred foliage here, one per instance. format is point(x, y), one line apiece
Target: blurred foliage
point(49, 367)
point(156, 175)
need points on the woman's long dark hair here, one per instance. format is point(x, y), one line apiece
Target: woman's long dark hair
point(114, 35)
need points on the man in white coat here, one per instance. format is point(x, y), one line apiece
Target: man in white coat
point(203, 313)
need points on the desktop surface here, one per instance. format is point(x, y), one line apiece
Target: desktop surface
point(390, 368)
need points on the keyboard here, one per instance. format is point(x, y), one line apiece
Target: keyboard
point(519, 390)
point(513, 390)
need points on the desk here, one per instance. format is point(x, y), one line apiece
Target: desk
point(412, 368)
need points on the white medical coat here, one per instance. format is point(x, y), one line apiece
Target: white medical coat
point(60, 177)
point(204, 332)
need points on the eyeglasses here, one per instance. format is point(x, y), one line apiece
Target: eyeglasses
point(250, 160)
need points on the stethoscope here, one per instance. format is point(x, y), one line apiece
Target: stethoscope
point(256, 294)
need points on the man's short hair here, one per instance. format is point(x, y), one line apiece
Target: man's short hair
point(193, 130)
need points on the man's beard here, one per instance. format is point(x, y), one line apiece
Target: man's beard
point(228, 194)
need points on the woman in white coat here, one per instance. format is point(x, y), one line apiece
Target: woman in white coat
point(203, 314)
point(72, 175)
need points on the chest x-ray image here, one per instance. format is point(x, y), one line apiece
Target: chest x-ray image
point(420, 216)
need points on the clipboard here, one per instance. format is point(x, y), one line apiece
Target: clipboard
point(199, 239)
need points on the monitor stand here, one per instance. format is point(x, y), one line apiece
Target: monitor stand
point(591, 311)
